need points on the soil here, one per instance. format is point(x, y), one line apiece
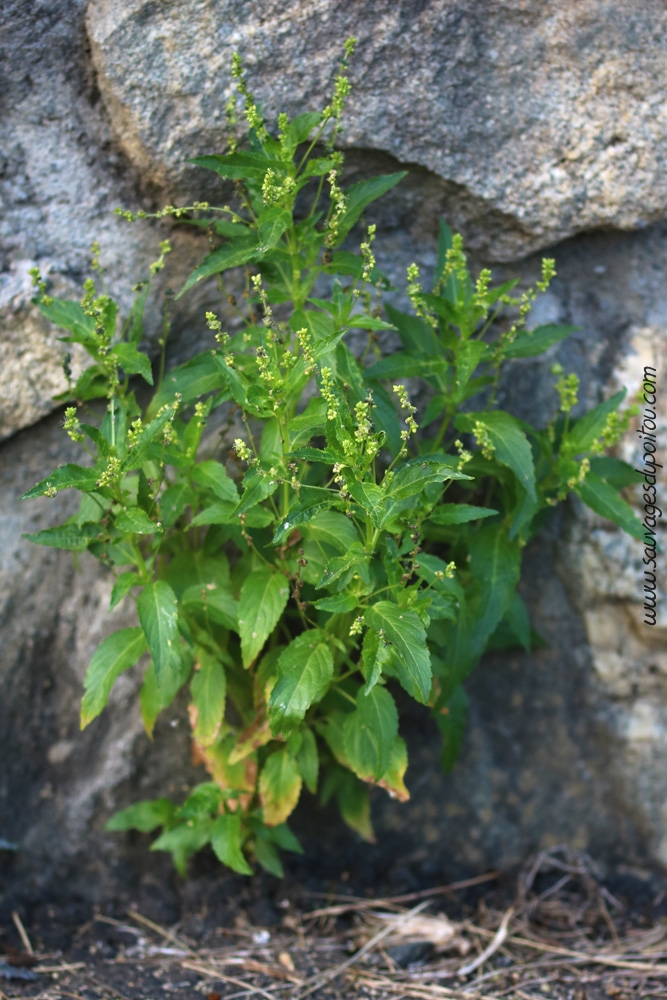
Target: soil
point(557, 929)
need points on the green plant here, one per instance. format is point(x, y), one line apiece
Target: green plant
point(340, 550)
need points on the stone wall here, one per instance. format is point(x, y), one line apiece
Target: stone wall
point(528, 127)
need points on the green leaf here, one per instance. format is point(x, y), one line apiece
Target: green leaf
point(604, 500)
point(271, 224)
point(518, 619)
point(263, 598)
point(154, 697)
point(66, 477)
point(192, 380)
point(615, 472)
point(360, 195)
point(375, 654)
point(585, 431)
point(304, 671)
point(416, 335)
point(213, 604)
point(406, 366)
point(226, 843)
point(308, 423)
point(355, 806)
point(234, 254)
point(511, 445)
point(459, 513)
point(308, 760)
point(122, 587)
point(268, 858)
point(134, 521)
point(133, 362)
point(300, 129)
point(467, 359)
point(143, 816)
point(138, 453)
point(332, 530)
point(241, 164)
point(209, 688)
point(369, 733)
point(405, 631)
point(370, 497)
point(452, 724)
point(173, 502)
point(279, 787)
point(70, 536)
point(537, 341)
point(413, 477)
point(311, 501)
point(496, 561)
point(118, 652)
point(158, 614)
point(256, 489)
point(213, 476)
point(70, 316)
point(184, 841)
point(339, 604)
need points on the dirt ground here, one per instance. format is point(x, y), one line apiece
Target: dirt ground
point(558, 930)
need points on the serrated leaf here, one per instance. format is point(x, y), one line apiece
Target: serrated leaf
point(209, 688)
point(518, 619)
point(173, 502)
point(413, 477)
point(240, 164)
point(226, 843)
point(191, 380)
point(122, 587)
point(272, 223)
point(256, 489)
point(406, 366)
point(374, 656)
point(240, 251)
point(134, 521)
point(118, 652)
point(268, 858)
point(70, 316)
point(452, 724)
point(370, 497)
point(360, 195)
point(304, 670)
point(279, 787)
point(311, 500)
point(459, 513)
point(158, 614)
point(263, 598)
point(183, 841)
point(369, 732)
point(604, 500)
point(332, 530)
point(355, 807)
point(339, 604)
point(537, 341)
point(615, 472)
point(308, 760)
point(213, 476)
point(392, 780)
point(133, 361)
point(405, 631)
point(72, 537)
point(511, 445)
point(585, 431)
point(154, 697)
point(143, 816)
point(213, 604)
point(66, 477)
point(495, 560)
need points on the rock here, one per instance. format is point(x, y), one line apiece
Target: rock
point(542, 121)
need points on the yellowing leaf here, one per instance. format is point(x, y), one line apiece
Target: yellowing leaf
point(279, 787)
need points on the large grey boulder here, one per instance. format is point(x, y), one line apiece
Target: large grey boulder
point(542, 120)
